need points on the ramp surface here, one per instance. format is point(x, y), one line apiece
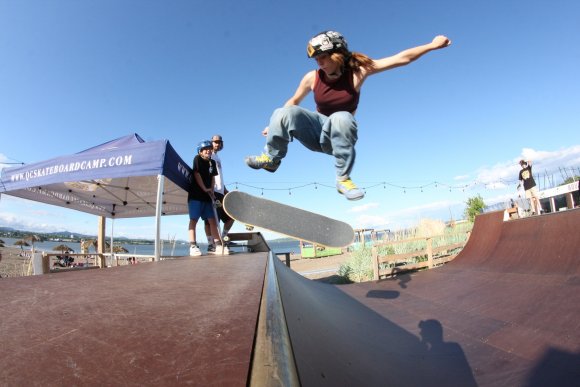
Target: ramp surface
point(187, 321)
point(505, 312)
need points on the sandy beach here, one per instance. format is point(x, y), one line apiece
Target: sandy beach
point(14, 264)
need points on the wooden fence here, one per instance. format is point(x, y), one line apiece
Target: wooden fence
point(385, 264)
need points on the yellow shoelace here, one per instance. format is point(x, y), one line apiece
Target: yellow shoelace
point(348, 184)
point(263, 158)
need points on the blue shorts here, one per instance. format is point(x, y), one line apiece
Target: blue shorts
point(198, 209)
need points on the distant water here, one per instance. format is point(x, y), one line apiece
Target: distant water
point(167, 248)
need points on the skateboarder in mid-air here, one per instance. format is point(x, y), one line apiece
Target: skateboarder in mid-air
point(336, 86)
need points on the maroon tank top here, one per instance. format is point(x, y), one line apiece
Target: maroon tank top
point(335, 96)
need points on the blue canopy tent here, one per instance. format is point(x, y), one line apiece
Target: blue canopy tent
point(123, 178)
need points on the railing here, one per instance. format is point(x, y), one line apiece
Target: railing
point(56, 262)
point(385, 264)
point(52, 261)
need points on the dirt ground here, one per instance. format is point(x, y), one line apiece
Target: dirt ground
point(14, 264)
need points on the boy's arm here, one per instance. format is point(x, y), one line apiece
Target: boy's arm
point(211, 192)
point(199, 182)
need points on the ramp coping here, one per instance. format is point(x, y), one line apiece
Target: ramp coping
point(273, 359)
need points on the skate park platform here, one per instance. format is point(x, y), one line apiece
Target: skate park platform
point(503, 313)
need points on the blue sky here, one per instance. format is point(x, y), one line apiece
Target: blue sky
point(74, 74)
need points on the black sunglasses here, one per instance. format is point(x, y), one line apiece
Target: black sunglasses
point(218, 141)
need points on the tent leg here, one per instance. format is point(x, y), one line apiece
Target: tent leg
point(158, 210)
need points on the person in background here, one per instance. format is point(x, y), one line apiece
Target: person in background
point(219, 191)
point(336, 85)
point(527, 179)
point(200, 196)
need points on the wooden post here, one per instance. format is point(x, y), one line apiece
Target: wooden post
point(375, 260)
point(101, 242)
point(430, 252)
point(286, 257)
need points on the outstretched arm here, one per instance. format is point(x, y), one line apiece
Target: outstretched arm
point(302, 91)
point(407, 56)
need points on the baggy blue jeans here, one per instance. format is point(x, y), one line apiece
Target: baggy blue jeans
point(334, 135)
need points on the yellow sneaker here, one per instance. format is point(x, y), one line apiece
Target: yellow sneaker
point(349, 190)
point(262, 162)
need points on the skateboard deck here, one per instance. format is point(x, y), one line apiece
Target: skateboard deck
point(287, 220)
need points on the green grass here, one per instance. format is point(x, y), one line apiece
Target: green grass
point(359, 268)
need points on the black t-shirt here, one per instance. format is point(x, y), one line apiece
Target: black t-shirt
point(527, 177)
point(206, 169)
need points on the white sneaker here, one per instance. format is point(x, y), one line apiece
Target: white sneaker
point(194, 251)
point(218, 250)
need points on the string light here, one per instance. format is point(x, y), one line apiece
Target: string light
point(499, 183)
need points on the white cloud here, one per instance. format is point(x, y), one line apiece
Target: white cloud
point(409, 216)
point(371, 221)
point(364, 207)
point(20, 223)
point(505, 173)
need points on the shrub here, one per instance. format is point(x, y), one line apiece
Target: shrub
point(359, 268)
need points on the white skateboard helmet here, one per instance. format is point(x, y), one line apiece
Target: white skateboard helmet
point(327, 41)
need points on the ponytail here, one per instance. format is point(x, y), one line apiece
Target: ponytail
point(352, 60)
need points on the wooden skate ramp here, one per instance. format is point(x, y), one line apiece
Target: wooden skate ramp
point(505, 312)
point(186, 321)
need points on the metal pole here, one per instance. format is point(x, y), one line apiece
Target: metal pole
point(158, 210)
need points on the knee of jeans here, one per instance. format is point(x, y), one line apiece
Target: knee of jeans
point(342, 122)
point(285, 110)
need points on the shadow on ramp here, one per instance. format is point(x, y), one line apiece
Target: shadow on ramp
point(338, 341)
point(503, 313)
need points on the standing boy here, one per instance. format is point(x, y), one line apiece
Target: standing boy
point(200, 197)
point(220, 191)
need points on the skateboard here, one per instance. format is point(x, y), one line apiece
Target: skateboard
point(287, 220)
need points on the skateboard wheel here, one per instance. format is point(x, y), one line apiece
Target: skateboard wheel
point(226, 238)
